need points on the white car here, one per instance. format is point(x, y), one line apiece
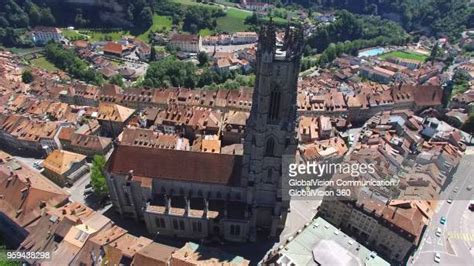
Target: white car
point(469, 187)
point(438, 232)
point(437, 257)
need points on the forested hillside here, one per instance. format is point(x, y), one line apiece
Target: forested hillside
point(93, 13)
point(436, 17)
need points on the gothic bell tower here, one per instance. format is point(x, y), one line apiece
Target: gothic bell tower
point(270, 131)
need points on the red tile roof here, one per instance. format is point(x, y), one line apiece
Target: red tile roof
point(177, 165)
point(113, 47)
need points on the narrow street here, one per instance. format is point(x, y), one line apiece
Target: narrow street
point(457, 238)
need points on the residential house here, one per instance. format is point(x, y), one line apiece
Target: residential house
point(117, 49)
point(85, 144)
point(244, 37)
point(64, 167)
point(112, 118)
point(188, 43)
point(42, 35)
point(24, 196)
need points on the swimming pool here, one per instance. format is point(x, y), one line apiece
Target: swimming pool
point(371, 52)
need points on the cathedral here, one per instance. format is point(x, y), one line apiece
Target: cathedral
point(207, 195)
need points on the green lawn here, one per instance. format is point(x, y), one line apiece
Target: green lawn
point(103, 35)
point(42, 63)
point(160, 23)
point(73, 34)
point(206, 32)
point(233, 20)
point(404, 55)
point(194, 3)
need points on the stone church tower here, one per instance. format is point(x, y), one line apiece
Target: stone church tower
point(270, 131)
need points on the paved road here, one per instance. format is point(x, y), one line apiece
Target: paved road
point(301, 212)
point(77, 190)
point(457, 240)
point(30, 161)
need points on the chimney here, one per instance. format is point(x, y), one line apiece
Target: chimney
point(395, 212)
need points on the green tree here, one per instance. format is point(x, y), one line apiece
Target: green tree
point(68, 61)
point(117, 80)
point(171, 72)
point(434, 52)
point(47, 17)
point(27, 76)
point(203, 58)
point(98, 181)
point(153, 56)
point(252, 20)
point(146, 18)
point(468, 126)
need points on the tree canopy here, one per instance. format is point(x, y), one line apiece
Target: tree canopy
point(436, 17)
point(27, 76)
point(98, 181)
point(171, 72)
point(68, 61)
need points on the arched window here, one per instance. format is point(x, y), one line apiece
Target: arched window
point(269, 147)
point(254, 142)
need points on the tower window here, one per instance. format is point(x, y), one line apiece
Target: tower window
point(274, 112)
point(269, 174)
point(269, 148)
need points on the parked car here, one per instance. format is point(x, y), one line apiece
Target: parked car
point(438, 232)
point(437, 257)
point(471, 207)
point(88, 185)
point(443, 220)
point(38, 165)
point(469, 187)
point(88, 191)
point(450, 200)
point(455, 189)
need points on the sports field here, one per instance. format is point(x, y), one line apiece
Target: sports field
point(405, 55)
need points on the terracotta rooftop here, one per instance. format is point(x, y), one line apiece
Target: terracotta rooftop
point(113, 47)
point(114, 112)
point(194, 254)
point(24, 192)
point(60, 161)
point(168, 164)
point(154, 254)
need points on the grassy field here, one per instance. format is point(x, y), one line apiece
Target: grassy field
point(233, 20)
point(206, 32)
point(73, 34)
point(103, 35)
point(160, 23)
point(42, 63)
point(405, 55)
point(194, 3)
